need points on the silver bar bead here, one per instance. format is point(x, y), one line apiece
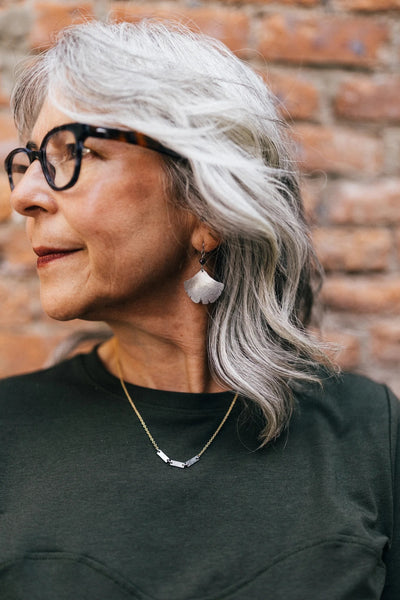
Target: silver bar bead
point(177, 463)
point(192, 461)
point(163, 456)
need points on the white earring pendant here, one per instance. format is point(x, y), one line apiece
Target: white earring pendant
point(203, 288)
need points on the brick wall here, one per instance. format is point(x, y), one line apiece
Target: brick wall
point(334, 66)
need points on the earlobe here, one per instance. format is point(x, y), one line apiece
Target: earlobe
point(202, 287)
point(204, 238)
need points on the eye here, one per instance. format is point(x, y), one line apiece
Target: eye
point(86, 151)
point(70, 152)
point(18, 168)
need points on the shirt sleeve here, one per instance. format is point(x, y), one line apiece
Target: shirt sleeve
point(392, 558)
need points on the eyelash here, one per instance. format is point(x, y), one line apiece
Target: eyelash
point(89, 152)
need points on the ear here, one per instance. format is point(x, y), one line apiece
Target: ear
point(205, 237)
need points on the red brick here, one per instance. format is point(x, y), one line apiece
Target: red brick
point(311, 192)
point(17, 253)
point(368, 5)
point(285, 2)
point(345, 349)
point(10, 3)
point(4, 97)
point(51, 17)
point(388, 374)
point(229, 26)
point(19, 301)
point(372, 294)
point(337, 150)
point(365, 98)
point(23, 353)
point(297, 97)
point(391, 137)
point(373, 203)
point(8, 135)
point(356, 249)
point(397, 235)
point(322, 40)
point(385, 338)
point(5, 207)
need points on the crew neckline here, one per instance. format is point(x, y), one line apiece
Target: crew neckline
point(100, 376)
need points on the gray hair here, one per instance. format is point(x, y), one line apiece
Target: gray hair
point(193, 95)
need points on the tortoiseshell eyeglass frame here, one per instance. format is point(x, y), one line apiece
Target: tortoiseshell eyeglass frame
point(81, 132)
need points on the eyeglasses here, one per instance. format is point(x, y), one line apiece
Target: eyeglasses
point(60, 153)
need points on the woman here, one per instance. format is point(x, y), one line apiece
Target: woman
point(207, 450)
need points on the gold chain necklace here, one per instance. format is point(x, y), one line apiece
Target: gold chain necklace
point(160, 453)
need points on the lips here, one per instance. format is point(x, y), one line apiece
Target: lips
point(47, 255)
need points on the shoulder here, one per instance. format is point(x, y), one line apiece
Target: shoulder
point(350, 392)
point(354, 389)
point(351, 402)
point(359, 394)
point(42, 375)
point(23, 392)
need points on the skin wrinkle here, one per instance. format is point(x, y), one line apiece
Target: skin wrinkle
point(135, 250)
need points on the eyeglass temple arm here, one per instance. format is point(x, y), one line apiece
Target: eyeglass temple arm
point(136, 138)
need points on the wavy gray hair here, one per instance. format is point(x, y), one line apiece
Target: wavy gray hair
point(193, 95)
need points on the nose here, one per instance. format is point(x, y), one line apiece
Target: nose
point(32, 194)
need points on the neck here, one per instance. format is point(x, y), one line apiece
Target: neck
point(168, 352)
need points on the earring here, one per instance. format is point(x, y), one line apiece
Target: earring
point(203, 288)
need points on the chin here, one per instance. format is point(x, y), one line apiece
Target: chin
point(60, 309)
point(68, 311)
point(60, 315)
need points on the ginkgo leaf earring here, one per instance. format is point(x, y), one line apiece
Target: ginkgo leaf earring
point(201, 287)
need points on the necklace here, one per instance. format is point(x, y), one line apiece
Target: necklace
point(160, 453)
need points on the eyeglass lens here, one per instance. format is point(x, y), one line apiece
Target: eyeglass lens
point(20, 163)
point(60, 153)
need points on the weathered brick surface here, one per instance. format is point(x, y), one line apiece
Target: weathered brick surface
point(4, 98)
point(50, 17)
point(313, 39)
point(337, 150)
point(373, 294)
point(312, 191)
point(345, 348)
point(369, 99)
point(362, 249)
point(5, 207)
point(229, 26)
point(19, 301)
point(35, 350)
point(297, 98)
point(368, 5)
point(397, 237)
point(306, 3)
point(355, 203)
point(10, 3)
point(8, 135)
point(16, 254)
point(334, 69)
point(385, 336)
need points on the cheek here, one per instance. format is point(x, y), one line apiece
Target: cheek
point(115, 198)
point(128, 239)
point(127, 223)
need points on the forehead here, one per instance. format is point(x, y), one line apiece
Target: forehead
point(49, 117)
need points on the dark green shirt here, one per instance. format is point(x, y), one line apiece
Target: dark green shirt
point(89, 511)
